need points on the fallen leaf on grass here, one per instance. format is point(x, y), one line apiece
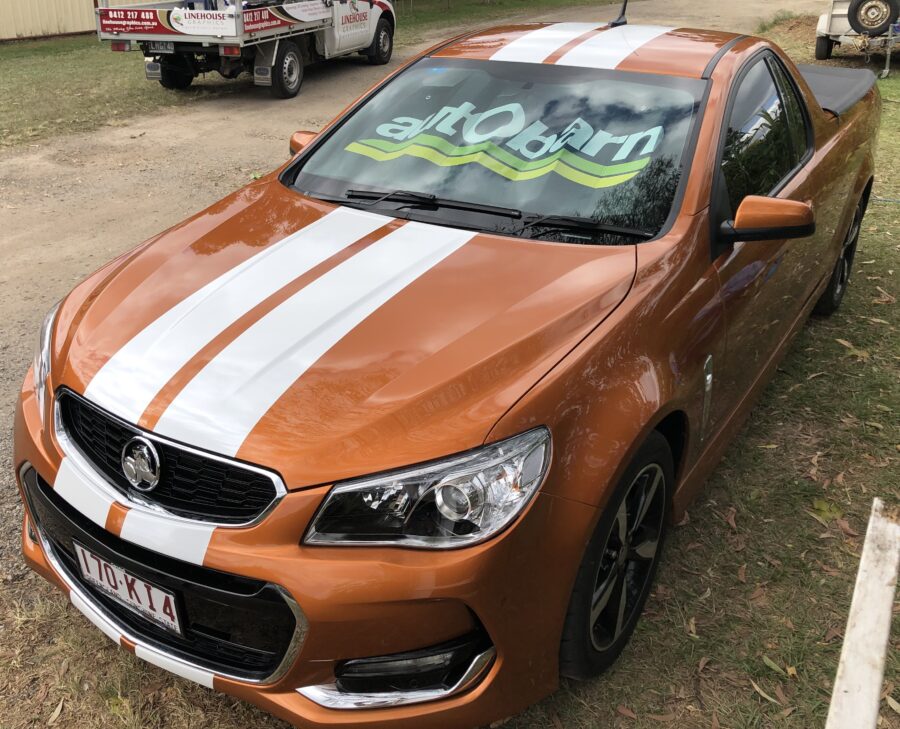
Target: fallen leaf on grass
point(56, 712)
point(661, 717)
point(758, 597)
point(885, 297)
point(817, 518)
point(715, 721)
point(774, 666)
point(893, 704)
point(779, 694)
point(763, 693)
point(860, 354)
point(814, 375)
point(792, 672)
point(692, 628)
point(769, 446)
point(625, 711)
point(788, 711)
point(742, 574)
point(846, 528)
point(703, 663)
point(557, 722)
point(833, 633)
point(827, 510)
point(729, 517)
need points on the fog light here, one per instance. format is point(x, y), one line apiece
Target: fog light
point(407, 678)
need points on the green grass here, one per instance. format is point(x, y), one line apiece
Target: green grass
point(63, 85)
point(780, 18)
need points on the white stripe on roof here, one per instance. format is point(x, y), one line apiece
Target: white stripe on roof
point(535, 46)
point(609, 49)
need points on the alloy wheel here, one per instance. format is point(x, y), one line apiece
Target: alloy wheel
point(626, 565)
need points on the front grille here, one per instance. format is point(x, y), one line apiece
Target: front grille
point(233, 625)
point(191, 484)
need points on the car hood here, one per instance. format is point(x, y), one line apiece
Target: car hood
point(327, 342)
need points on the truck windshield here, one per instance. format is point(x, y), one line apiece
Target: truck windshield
point(548, 141)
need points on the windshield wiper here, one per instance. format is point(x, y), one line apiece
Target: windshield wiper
point(423, 199)
point(572, 222)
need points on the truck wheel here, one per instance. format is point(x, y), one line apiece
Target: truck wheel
point(175, 73)
point(382, 46)
point(873, 17)
point(287, 73)
point(824, 47)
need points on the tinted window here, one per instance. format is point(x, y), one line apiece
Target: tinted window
point(796, 116)
point(758, 152)
point(544, 139)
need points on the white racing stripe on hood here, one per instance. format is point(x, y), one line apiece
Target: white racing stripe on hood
point(132, 377)
point(535, 46)
point(224, 402)
point(609, 49)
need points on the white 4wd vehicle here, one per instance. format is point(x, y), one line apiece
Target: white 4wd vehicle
point(271, 39)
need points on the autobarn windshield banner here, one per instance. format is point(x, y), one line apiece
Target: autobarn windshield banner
point(219, 23)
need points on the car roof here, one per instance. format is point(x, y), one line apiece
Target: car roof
point(639, 48)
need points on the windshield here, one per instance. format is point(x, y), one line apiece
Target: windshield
point(601, 146)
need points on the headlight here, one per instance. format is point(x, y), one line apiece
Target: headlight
point(42, 357)
point(442, 505)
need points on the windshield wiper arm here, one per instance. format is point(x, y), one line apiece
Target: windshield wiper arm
point(576, 223)
point(423, 199)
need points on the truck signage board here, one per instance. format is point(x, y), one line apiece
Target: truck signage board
point(183, 21)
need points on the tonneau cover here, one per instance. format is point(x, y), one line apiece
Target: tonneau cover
point(837, 89)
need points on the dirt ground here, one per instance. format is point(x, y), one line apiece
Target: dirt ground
point(71, 203)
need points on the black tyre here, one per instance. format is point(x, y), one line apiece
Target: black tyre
point(287, 73)
point(382, 47)
point(824, 47)
point(873, 17)
point(831, 298)
point(619, 565)
point(176, 73)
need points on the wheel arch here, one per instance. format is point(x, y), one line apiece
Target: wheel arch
point(389, 16)
point(674, 428)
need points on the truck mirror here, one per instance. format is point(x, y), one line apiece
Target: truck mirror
point(299, 140)
point(768, 218)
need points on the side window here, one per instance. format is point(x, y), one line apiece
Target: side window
point(796, 112)
point(758, 152)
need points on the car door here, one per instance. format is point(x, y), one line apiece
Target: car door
point(766, 143)
point(352, 19)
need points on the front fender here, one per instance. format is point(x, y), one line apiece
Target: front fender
point(642, 364)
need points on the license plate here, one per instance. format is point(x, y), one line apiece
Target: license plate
point(141, 596)
point(161, 46)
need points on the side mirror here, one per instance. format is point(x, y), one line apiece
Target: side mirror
point(299, 140)
point(768, 218)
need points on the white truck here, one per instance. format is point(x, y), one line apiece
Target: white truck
point(272, 39)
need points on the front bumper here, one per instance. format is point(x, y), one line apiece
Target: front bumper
point(359, 602)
